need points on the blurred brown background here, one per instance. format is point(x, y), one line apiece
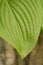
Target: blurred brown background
point(9, 56)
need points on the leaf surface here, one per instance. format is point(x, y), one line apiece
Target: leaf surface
point(42, 13)
point(20, 23)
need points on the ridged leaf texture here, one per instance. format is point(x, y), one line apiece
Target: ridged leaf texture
point(20, 23)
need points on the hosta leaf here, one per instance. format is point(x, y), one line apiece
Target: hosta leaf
point(20, 23)
point(42, 13)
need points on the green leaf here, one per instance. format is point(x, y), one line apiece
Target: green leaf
point(20, 23)
point(42, 13)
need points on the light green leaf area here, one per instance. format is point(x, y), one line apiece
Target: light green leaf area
point(42, 13)
point(20, 23)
